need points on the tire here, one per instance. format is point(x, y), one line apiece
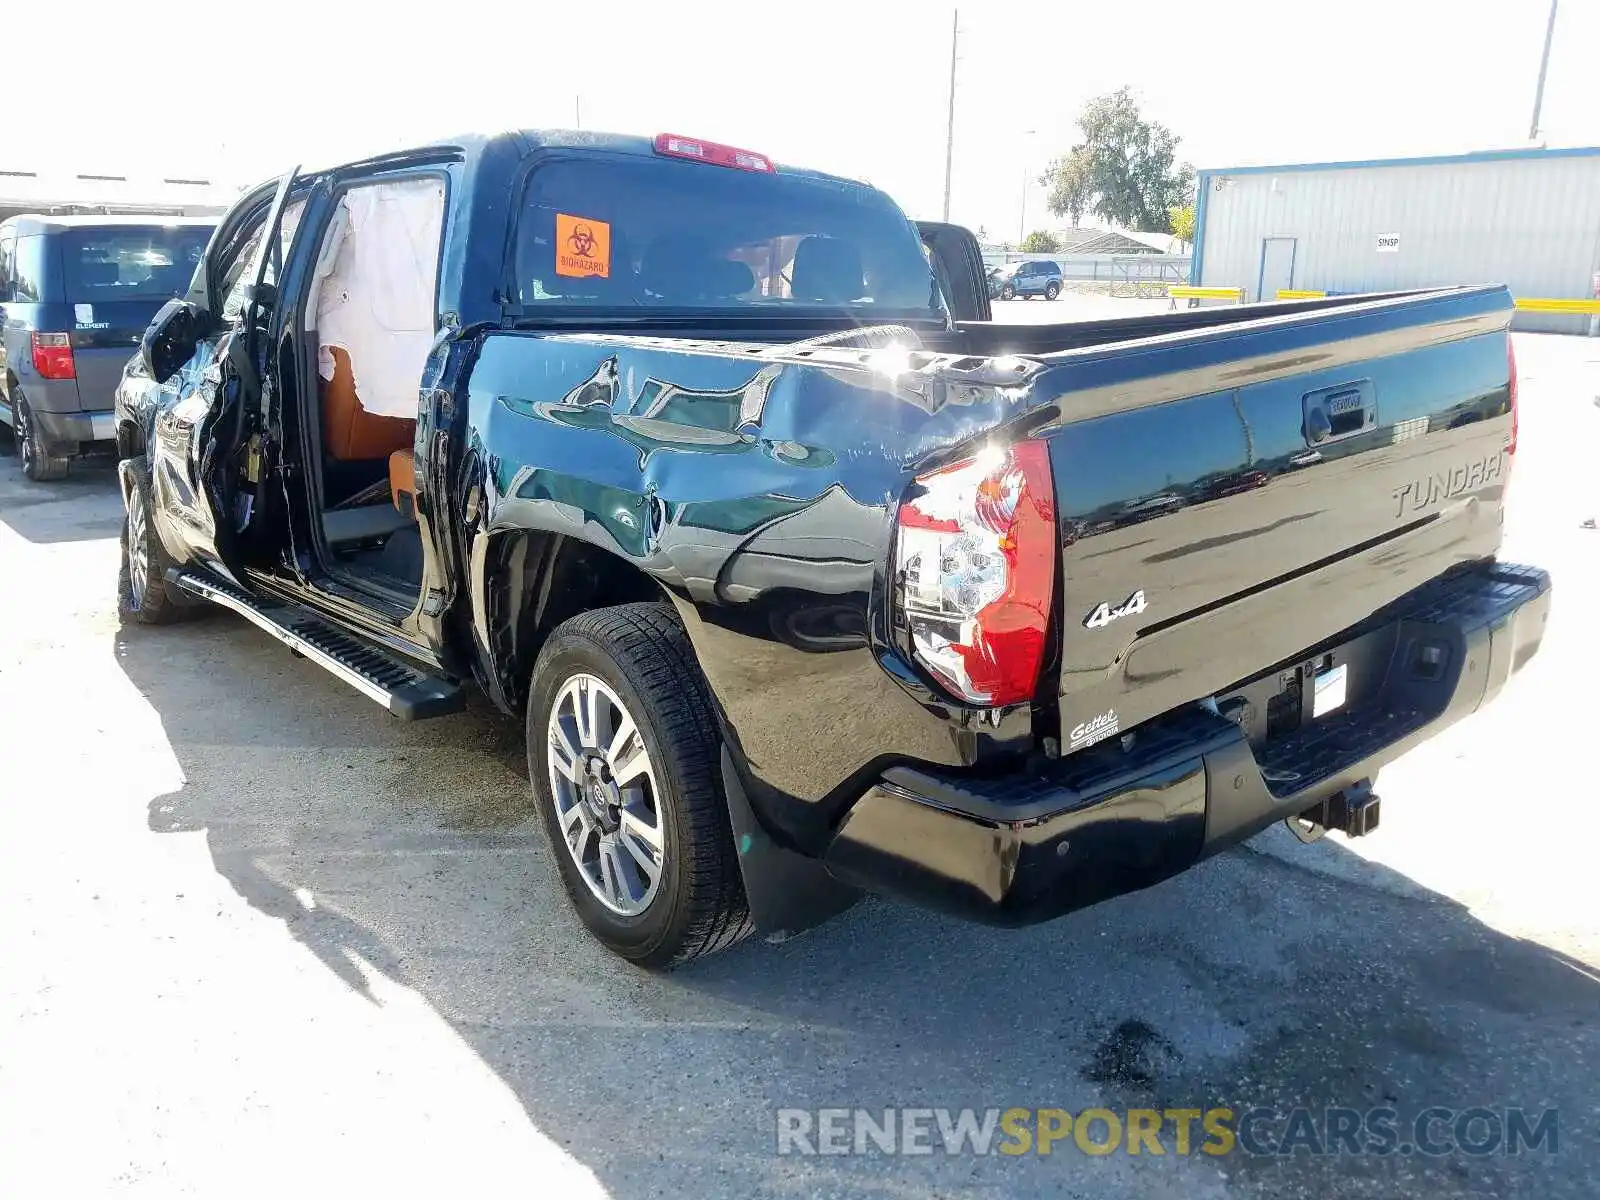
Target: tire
point(635, 658)
point(1008, 292)
point(36, 464)
point(143, 596)
point(1052, 290)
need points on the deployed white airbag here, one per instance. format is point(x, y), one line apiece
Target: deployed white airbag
point(377, 301)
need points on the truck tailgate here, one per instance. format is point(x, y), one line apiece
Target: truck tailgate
point(1229, 498)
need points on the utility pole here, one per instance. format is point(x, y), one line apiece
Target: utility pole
point(1544, 65)
point(1022, 209)
point(577, 112)
point(950, 120)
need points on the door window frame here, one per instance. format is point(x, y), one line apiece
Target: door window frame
point(326, 578)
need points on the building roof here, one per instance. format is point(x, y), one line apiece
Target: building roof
point(29, 223)
point(1427, 160)
point(1072, 237)
point(34, 191)
point(1101, 241)
point(1075, 240)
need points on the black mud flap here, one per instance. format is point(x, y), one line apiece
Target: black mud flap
point(788, 892)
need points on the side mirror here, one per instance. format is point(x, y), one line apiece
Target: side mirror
point(170, 339)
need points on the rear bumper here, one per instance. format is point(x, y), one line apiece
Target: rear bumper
point(62, 434)
point(1037, 843)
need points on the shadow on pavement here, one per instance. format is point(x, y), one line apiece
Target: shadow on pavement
point(84, 506)
point(1253, 981)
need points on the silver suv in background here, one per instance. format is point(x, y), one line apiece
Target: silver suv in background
point(75, 296)
point(1032, 278)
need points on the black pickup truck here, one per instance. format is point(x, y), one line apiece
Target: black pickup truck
point(806, 577)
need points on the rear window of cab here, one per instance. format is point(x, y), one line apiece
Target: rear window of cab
point(623, 231)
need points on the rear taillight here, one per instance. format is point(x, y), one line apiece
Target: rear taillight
point(1511, 389)
point(52, 356)
point(975, 565)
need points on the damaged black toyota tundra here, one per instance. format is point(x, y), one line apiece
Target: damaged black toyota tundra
point(805, 576)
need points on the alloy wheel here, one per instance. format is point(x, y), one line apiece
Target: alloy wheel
point(25, 450)
point(608, 804)
point(138, 549)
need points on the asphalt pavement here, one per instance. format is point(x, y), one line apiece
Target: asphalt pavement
point(257, 938)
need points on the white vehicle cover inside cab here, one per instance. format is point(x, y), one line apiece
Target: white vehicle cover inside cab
point(374, 290)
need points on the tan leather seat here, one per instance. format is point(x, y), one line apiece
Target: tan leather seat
point(350, 431)
point(403, 482)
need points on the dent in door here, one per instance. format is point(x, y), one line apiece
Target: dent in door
point(179, 428)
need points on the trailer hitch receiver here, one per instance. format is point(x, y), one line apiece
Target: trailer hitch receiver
point(1353, 811)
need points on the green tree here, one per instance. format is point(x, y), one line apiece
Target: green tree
point(1068, 180)
point(1040, 241)
point(1125, 170)
point(1183, 223)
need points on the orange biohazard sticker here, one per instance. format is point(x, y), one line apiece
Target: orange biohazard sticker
point(583, 247)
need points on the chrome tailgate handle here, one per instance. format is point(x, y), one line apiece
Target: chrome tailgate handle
point(1333, 413)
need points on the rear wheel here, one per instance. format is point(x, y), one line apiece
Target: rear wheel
point(143, 595)
point(36, 464)
point(625, 760)
point(1052, 290)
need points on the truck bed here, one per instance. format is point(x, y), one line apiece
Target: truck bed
point(1261, 477)
point(1034, 338)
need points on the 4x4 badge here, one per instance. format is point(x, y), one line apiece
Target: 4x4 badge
point(1104, 614)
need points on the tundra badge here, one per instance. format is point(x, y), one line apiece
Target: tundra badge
point(1104, 614)
point(1447, 485)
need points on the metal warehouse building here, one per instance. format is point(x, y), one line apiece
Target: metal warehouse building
point(1527, 218)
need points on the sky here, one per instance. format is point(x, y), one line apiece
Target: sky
point(859, 88)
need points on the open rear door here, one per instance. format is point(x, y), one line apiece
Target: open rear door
point(958, 264)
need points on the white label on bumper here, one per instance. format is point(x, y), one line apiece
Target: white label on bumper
point(103, 426)
point(1328, 691)
point(1090, 732)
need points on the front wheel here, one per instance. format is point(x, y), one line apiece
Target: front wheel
point(1052, 290)
point(625, 760)
point(143, 595)
point(1008, 292)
